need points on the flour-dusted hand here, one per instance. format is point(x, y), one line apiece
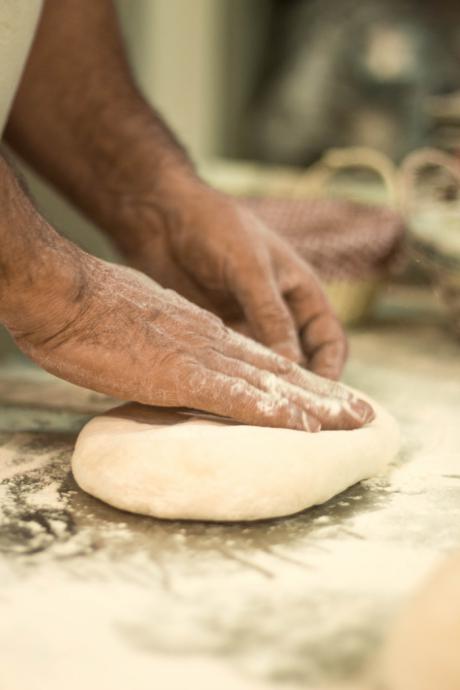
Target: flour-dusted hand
point(120, 333)
point(114, 330)
point(217, 253)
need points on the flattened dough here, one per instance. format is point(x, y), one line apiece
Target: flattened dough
point(156, 462)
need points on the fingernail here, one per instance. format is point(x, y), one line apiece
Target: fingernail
point(364, 411)
point(310, 423)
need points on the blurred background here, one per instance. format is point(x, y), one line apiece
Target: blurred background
point(282, 80)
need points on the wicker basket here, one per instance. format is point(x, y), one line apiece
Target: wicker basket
point(432, 214)
point(352, 299)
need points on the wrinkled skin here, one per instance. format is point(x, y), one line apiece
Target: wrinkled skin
point(114, 330)
point(219, 255)
point(80, 121)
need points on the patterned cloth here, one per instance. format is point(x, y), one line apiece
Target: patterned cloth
point(343, 240)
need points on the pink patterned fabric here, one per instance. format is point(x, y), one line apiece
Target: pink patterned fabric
point(341, 239)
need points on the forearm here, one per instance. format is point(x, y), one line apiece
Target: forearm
point(80, 120)
point(37, 265)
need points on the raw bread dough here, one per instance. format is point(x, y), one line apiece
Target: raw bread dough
point(158, 462)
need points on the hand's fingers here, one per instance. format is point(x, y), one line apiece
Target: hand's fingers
point(323, 339)
point(263, 305)
point(229, 396)
point(329, 412)
point(307, 301)
point(353, 411)
point(346, 402)
point(247, 350)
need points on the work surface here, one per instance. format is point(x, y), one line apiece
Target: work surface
point(95, 598)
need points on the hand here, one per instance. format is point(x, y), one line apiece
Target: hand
point(219, 255)
point(115, 158)
point(118, 332)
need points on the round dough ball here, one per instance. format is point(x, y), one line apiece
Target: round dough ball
point(163, 463)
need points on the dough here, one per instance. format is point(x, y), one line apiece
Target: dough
point(423, 649)
point(163, 463)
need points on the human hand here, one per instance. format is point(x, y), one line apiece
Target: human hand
point(117, 161)
point(112, 329)
point(219, 255)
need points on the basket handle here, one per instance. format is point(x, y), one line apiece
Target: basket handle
point(336, 160)
point(411, 167)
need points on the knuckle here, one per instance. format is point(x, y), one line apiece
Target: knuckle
point(190, 382)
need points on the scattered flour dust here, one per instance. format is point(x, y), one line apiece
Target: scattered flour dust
point(36, 515)
point(9, 459)
point(36, 649)
point(220, 614)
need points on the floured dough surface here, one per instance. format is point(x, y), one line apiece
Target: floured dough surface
point(162, 463)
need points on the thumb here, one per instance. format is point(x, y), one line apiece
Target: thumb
point(271, 322)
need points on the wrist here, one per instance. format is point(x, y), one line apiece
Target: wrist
point(45, 291)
